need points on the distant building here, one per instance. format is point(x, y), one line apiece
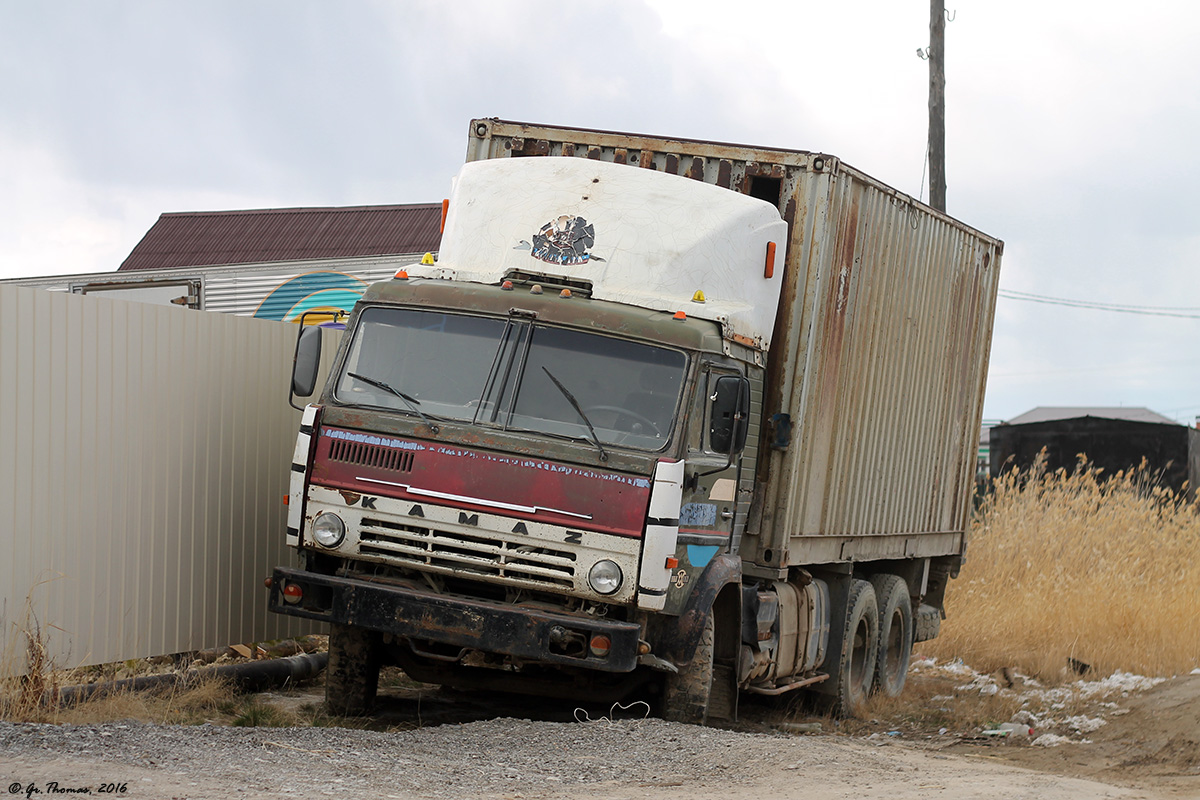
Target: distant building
point(267, 263)
point(1112, 438)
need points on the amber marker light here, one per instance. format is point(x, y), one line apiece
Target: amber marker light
point(565, 293)
point(679, 315)
point(600, 645)
point(445, 213)
point(769, 270)
point(401, 275)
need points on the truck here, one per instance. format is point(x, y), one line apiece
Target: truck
point(666, 418)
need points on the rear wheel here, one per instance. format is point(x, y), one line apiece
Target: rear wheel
point(855, 670)
point(352, 677)
point(895, 633)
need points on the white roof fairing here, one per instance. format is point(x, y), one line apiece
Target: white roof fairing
point(641, 237)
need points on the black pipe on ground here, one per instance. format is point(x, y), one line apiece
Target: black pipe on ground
point(251, 676)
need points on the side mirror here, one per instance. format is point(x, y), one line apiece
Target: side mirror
point(730, 408)
point(306, 362)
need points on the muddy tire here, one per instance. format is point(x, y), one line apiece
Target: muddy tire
point(855, 670)
point(705, 688)
point(352, 677)
point(687, 694)
point(895, 634)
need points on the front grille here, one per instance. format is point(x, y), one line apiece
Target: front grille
point(370, 455)
point(485, 553)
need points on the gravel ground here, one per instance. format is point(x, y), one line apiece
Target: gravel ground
point(494, 757)
point(504, 758)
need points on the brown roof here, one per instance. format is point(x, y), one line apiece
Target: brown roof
point(209, 238)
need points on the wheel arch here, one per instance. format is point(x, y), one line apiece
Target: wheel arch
point(717, 589)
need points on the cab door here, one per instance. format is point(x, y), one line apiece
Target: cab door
point(717, 425)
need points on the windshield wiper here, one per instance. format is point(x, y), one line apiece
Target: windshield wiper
point(411, 401)
point(579, 410)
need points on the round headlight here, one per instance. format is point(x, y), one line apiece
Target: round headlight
point(604, 577)
point(328, 529)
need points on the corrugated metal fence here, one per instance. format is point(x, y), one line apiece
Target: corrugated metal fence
point(141, 499)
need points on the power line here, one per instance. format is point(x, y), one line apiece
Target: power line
point(1179, 312)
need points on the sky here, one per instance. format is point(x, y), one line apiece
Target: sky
point(1072, 133)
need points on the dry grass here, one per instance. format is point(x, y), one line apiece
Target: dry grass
point(1071, 566)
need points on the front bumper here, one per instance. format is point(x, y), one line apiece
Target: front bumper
point(457, 621)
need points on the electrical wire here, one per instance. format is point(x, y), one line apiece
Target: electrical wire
point(1179, 312)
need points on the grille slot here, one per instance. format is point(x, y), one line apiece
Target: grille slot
point(485, 553)
point(370, 455)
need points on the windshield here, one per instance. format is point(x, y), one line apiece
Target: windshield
point(513, 374)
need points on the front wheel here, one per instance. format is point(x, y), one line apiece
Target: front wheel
point(706, 687)
point(352, 677)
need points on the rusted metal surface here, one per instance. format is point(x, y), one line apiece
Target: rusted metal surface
point(456, 621)
point(787, 687)
point(622, 320)
point(724, 173)
point(879, 354)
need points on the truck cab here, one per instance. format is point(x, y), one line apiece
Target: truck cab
point(528, 468)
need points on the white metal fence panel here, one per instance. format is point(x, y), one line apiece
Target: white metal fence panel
point(141, 502)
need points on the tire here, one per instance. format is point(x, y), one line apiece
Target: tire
point(927, 623)
point(352, 677)
point(706, 687)
point(855, 670)
point(895, 634)
point(688, 693)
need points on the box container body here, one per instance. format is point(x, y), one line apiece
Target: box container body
point(878, 360)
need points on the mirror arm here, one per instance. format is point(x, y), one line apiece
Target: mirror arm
point(296, 355)
point(692, 482)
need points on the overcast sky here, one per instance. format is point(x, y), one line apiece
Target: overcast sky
point(1072, 132)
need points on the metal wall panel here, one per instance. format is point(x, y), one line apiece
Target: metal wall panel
point(243, 292)
point(237, 289)
point(148, 457)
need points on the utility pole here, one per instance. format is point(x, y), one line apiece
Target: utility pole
point(937, 104)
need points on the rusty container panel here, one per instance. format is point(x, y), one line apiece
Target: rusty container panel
point(149, 450)
point(879, 354)
point(881, 365)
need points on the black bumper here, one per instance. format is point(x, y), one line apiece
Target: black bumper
point(457, 621)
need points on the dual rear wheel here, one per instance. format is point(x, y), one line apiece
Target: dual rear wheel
point(877, 637)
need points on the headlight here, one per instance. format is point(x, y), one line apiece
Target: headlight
point(604, 577)
point(328, 529)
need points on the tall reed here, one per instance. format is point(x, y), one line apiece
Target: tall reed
point(1078, 568)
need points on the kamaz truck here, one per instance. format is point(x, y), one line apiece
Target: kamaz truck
point(664, 418)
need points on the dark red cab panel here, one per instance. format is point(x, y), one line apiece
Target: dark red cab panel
point(479, 480)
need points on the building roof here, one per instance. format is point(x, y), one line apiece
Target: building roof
point(1052, 413)
point(210, 238)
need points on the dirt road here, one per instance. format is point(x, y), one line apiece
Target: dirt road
point(1146, 746)
point(512, 759)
